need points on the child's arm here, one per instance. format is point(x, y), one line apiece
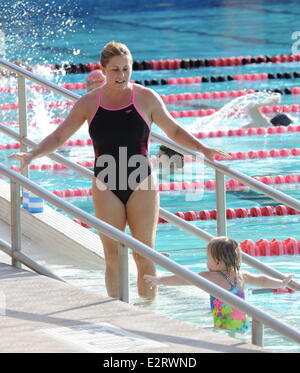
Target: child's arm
point(172, 280)
point(266, 281)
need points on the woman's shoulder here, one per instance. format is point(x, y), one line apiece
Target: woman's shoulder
point(89, 97)
point(148, 98)
point(145, 92)
point(86, 103)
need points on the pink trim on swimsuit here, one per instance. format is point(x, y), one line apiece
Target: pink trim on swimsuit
point(98, 100)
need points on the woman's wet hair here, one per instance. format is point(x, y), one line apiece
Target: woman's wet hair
point(281, 120)
point(226, 250)
point(112, 49)
point(170, 153)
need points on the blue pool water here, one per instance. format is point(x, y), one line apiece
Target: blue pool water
point(76, 31)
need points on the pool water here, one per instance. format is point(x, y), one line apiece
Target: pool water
point(75, 32)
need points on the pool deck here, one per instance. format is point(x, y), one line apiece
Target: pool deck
point(35, 308)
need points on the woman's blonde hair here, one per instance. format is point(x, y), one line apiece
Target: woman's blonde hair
point(226, 250)
point(112, 49)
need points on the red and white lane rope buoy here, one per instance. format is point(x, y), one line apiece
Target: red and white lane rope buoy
point(219, 78)
point(294, 108)
point(189, 96)
point(251, 131)
point(237, 213)
point(175, 186)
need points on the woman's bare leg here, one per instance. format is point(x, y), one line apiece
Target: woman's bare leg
point(142, 215)
point(110, 209)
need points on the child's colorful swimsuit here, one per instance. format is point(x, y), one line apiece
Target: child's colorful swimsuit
point(226, 316)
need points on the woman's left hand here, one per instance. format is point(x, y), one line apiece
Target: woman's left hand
point(210, 153)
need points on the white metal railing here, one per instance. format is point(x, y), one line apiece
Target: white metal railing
point(221, 170)
point(127, 241)
point(196, 231)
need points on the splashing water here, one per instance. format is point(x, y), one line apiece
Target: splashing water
point(235, 114)
point(26, 40)
point(2, 44)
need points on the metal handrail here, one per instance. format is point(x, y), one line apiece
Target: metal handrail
point(21, 257)
point(258, 316)
point(196, 231)
point(228, 171)
point(154, 256)
point(220, 171)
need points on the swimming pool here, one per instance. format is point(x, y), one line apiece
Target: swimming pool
point(171, 35)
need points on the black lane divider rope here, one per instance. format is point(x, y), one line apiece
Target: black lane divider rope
point(188, 63)
point(220, 78)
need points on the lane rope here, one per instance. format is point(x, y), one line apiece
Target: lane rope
point(187, 63)
point(175, 186)
point(219, 78)
point(262, 247)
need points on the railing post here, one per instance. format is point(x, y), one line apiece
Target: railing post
point(221, 203)
point(257, 333)
point(22, 116)
point(123, 273)
point(15, 206)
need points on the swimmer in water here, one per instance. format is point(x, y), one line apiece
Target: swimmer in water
point(169, 158)
point(235, 111)
point(168, 163)
point(258, 119)
point(95, 79)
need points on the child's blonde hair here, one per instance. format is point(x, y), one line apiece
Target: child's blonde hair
point(226, 250)
point(112, 49)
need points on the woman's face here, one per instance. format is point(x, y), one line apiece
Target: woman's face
point(118, 71)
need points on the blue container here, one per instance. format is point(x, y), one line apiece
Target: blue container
point(32, 203)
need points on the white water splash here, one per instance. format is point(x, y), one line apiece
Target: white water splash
point(39, 32)
point(2, 44)
point(235, 114)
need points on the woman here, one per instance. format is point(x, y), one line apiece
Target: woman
point(120, 115)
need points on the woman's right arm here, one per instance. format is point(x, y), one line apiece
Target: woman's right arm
point(71, 124)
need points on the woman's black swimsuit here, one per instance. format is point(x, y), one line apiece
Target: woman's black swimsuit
point(120, 139)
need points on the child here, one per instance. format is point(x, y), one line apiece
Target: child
point(223, 263)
